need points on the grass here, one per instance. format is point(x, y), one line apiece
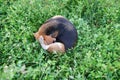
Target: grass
point(95, 57)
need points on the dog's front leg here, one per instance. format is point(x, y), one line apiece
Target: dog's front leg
point(44, 46)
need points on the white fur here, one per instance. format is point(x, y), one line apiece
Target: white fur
point(45, 47)
point(41, 40)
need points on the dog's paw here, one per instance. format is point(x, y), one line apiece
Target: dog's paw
point(41, 39)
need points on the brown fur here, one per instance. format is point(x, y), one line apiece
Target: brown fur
point(63, 43)
point(48, 40)
point(54, 47)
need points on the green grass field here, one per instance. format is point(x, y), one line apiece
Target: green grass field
point(95, 57)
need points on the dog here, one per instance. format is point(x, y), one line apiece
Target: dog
point(53, 47)
point(57, 34)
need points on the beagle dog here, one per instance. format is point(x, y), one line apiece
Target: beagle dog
point(57, 34)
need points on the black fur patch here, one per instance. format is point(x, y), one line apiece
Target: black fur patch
point(67, 32)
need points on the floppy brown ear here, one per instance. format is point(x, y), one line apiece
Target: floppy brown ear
point(55, 34)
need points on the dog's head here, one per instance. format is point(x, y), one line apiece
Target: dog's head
point(48, 39)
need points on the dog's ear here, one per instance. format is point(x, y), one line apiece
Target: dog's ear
point(55, 34)
point(36, 35)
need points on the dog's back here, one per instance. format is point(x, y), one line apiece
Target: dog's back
point(67, 34)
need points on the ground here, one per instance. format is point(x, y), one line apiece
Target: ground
point(96, 55)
